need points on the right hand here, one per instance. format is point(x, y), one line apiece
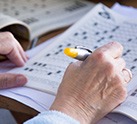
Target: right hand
point(94, 87)
point(10, 47)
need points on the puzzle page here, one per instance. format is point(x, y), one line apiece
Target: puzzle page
point(100, 26)
point(129, 106)
point(43, 16)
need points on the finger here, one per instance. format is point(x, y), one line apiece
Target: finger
point(120, 63)
point(8, 80)
point(22, 53)
point(114, 49)
point(15, 56)
point(8, 47)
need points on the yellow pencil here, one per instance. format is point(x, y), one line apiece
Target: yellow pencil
point(79, 52)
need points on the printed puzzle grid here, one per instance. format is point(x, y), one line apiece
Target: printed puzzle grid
point(97, 29)
point(16, 8)
point(134, 93)
point(31, 11)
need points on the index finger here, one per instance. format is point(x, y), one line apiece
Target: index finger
point(9, 47)
point(16, 57)
point(114, 49)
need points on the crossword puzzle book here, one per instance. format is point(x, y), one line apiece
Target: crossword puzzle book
point(100, 26)
point(30, 19)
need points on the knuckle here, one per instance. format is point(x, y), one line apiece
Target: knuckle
point(8, 35)
point(121, 92)
point(8, 42)
point(99, 56)
point(118, 80)
point(120, 88)
point(8, 38)
point(110, 68)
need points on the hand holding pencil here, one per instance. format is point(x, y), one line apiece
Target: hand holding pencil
point(94, 87)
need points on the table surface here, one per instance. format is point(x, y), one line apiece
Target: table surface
point(22, 112)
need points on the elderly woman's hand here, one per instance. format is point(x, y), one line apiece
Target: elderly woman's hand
point(10, 47)
point(94, 87)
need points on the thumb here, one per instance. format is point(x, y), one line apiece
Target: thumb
point(8, 80)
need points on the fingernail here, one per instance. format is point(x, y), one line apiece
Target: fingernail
point(21, 80)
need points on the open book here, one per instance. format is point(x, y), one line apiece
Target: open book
point(31, 19)
point(100, 26)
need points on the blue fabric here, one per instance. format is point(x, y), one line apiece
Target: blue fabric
point(52, 117)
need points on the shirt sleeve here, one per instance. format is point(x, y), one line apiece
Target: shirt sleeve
point(52, 117)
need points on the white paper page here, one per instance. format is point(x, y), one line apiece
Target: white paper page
point(116, 119)
point(45, 15)
point(42, 99)
point(128, 11)
point(25, 100)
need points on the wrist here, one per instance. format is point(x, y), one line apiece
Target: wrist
point(77, 110)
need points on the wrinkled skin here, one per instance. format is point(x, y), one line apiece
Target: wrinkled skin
point(94, 87)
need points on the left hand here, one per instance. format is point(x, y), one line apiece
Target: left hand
point(10, 47)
